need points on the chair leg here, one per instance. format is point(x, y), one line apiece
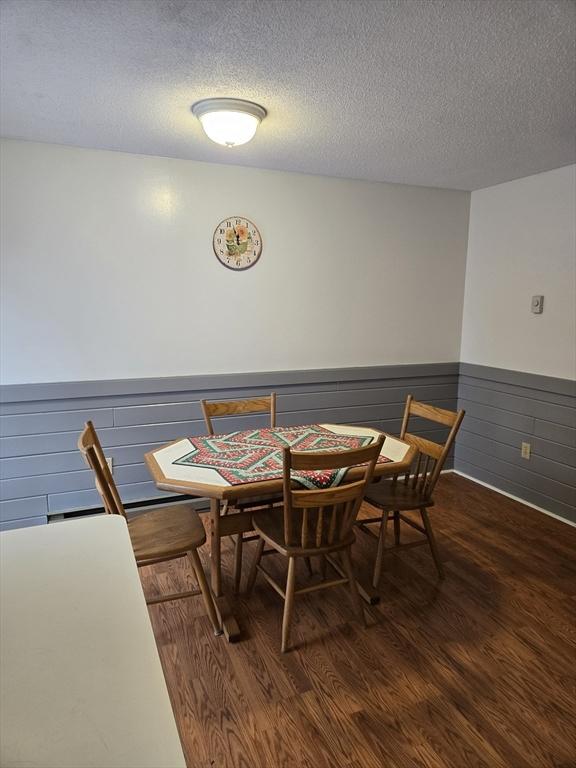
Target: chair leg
point(397, 528)
point(238, 562)
point(323, 567)
point(289, 603)
point(347, 563)
point(254, 566)
point(205, 590)
point(309, 566)
point(432, 541)
point(376, 576)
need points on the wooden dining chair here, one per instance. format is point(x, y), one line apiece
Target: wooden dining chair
point(317, 521)
point(220, 408)
point(163, 534)
point(413, 490)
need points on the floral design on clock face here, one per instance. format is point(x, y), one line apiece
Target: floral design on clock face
point(237, 243)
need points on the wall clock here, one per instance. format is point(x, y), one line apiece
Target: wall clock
point(237, 243)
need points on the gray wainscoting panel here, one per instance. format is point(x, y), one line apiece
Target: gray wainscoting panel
point(17, 509)
point(503, 410)
point(58, 421)
point(42, 473)
point(25, 522)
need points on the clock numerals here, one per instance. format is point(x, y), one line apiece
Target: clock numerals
point(237, 243)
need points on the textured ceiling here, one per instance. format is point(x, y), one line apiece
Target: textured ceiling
point(447, 93)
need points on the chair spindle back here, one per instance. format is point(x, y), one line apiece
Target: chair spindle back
point(323, 517)
point(238, 407)
point(431, 456)
point(90, 448)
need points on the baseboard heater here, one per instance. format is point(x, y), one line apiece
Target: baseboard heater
point(199, 504)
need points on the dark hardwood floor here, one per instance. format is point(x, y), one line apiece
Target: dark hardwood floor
point(478, 670)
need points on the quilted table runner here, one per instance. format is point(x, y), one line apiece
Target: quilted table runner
point(255, 455)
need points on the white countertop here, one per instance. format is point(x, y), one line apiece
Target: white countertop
point(80, 677)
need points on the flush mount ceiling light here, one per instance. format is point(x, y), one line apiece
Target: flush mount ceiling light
point(229, 121)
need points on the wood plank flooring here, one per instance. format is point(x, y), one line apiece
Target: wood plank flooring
point(478, 670)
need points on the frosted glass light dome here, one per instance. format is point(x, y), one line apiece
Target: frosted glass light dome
point(229, 122)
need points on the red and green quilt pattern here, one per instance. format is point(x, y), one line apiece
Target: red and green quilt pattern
point(255, 455)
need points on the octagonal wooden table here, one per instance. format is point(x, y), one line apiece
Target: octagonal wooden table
point(228, 469)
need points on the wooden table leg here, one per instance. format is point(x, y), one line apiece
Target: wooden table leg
point(215, 548)
point(227, 619)
point(223, 608)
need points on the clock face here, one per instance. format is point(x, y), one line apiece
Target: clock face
point(237, 243)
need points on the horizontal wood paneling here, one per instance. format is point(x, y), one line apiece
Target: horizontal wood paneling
point(69, 461)
point(41, 469)
point(16, 509)
point(10, 408)
point(505, 409)
point(511, 389)
point(545, 468)
point(519, 379)
point(555, 432)
point(67, 481)
point(531, 480)
point(496, 480)
point(286, 403)
point(540, 447)
point(25, 522)
point(59, 421)
point(518, 421)
point(524, 404)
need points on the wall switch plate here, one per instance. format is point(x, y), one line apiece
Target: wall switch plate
point(109, 462)
point(537, 304)
point(526, 447)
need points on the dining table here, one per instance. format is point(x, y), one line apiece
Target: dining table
point(247, 465)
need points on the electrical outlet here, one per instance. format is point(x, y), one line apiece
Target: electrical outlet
point(109, 462)
point(526, 450)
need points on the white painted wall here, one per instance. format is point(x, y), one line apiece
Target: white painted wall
point(108, 269)
point(522, 242)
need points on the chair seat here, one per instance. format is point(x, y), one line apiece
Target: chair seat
point(166, 532)
point(270, 526)
point(395, 496)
